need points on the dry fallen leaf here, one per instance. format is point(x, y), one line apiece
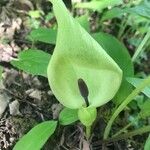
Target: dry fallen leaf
point(14, 108)
point(7, 29)
point(36, 94)
point(8, 52)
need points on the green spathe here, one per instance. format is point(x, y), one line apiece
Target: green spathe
point(78, 56)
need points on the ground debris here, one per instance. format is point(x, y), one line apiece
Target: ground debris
point(7, 134)
point(8, 52)
point(4, 100)
point(36, 94)
point(7, 29)
point(14, 108)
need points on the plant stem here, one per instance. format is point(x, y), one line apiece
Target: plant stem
point(126, 127)
point(140, 47)
point(88, 132)
point(135, 132)
point(134, 93)
point(122, 27)
point(124, 136)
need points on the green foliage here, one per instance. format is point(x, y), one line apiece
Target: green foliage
point(140, 48)
point(143, 9)
point(136, 81)
point(49, 16)
point(124, 104)
point(37, 136)
point(120, 55)
point(33, 62)
point(145, 109)
point(98, 60)
point(134, 41)
point(35, 14)
point(83, 20)
point(68, 116)
point(78, 56)
point(147, 144)
point(43, 35)
point(98, 5)
point(87, 115)
point(113, 13)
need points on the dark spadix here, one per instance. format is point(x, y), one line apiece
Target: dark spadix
point(83, 90)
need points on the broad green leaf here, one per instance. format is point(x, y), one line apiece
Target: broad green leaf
point(113, 13)
point(136, 20)
point(135, 41)
point(83, 20)
point(145, 109)
point(1, 70)
point(36, 137)
point(78, 56)
point(147, 144)
point(33, 62)
point(68, 116)
point(136, 81)
point(98, 5)
point(121, 56)
point(43, 35)
point(143, 9)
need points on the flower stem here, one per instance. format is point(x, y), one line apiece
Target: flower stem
point(88, 132)
point(126, 127)
point(139, 131)
point(122, 27)
point(134, 93)
point(134, 133)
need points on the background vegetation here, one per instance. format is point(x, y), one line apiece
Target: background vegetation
point(28, 31)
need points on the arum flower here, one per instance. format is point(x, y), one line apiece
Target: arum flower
point(79, 63)
point(81, 74)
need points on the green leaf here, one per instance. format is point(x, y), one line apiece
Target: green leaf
point(43, 35)
point(98, 5)
point(35, 14)
point(1, 70)
point(78, 56)
point(136, 81)
point(49, 35)
point(147, 144)
point(135, 41)
point(83, 20)
point(37, 136)
point(68, 116)
point(143, 9)
point(145, 109)
point(33, 62)
point(121, 56)
point(113, 13)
